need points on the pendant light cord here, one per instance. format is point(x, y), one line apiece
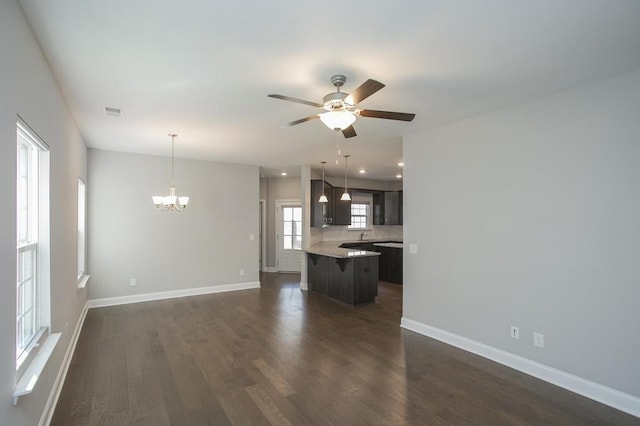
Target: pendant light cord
point(346, 166)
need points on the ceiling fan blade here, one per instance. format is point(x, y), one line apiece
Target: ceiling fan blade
point(389, 115)
point(302, 120)
point(349, 132)
point(300, 101)
point(367, 89)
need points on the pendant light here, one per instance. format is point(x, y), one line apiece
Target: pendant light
point(323, 198)
point(171, 201)
point(345, 195)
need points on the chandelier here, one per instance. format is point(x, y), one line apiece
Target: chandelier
point(171, 201)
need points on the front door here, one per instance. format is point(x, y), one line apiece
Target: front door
point(289, 236)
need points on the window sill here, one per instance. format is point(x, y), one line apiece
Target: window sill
point(30, 377)
point(82, 281)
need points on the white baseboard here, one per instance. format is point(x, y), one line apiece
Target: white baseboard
point(270, 269)
point(611, 397)
point(304, 286)
point(52, 401)
point(171, 294)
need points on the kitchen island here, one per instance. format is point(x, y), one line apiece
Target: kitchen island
point(390, 263)
point(344, 274)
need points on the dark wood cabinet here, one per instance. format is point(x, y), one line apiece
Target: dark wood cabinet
point(321, 213)
point(317, 273)
point(341, 280)
point(341, 209)
point(391, 207)
point(390, 264)
point(349, 280)
point(378, 208)
point(387, 208)
point(366, 274)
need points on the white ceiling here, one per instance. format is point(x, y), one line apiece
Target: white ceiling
point(203, 68)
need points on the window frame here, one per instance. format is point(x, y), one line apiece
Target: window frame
point(366, 215)
point(36, 241)
point(83, 277)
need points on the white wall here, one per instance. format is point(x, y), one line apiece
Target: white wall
point(530, 216)
point(28, 88)
point(205, 245)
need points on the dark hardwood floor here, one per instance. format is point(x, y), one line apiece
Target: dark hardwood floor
point(285, 357)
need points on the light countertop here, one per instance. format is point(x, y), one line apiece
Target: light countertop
point(332, 249)
point(392, 245)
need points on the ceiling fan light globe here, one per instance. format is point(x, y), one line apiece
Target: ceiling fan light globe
point(338, 120)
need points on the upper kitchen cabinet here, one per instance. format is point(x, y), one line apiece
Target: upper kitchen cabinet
point(321, 213)
point(341, 209)
point(387, 208)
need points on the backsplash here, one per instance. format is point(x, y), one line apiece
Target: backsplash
point(340, 233)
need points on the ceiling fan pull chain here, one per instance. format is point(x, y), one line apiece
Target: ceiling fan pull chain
point(338, 146)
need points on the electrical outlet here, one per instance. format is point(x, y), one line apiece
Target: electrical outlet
point(538, 340)
point(133, 282)
point(515, 332)
point(241, 271)
point(413, 249)
point(252, 237)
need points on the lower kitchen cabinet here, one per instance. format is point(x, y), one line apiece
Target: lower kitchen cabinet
point(317, 273)
point(352, 280)
point(390, 264)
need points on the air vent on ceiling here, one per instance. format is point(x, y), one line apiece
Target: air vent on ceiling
point(112, 111)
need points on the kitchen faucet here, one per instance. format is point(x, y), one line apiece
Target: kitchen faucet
point(362, 235)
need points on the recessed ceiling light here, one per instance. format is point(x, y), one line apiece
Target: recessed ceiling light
point(115, 112)
point(363, 171)
point(399, 176)
point(401, 164)
point(283, 173)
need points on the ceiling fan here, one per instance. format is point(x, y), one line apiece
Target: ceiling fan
point(341, 111)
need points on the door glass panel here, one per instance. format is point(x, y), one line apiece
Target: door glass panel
point(292, 228)
point(288, 213)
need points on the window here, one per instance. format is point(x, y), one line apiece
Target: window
point(82, 276)
point(32, 310)
point(359, 215)
point(27, 214)
point(292, 233)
